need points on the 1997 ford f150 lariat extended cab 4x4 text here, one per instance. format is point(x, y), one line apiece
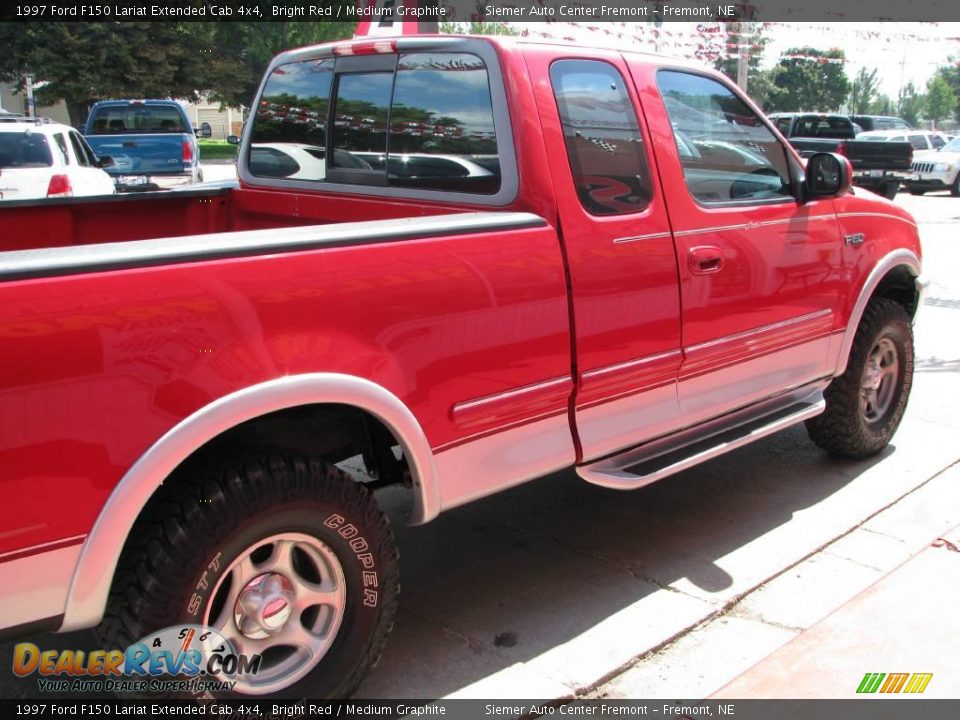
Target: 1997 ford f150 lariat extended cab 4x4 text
point(565, 257)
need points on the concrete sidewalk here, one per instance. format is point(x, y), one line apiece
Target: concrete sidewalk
point(880, 599)
point(906, 623)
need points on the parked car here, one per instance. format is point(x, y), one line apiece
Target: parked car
point(41, 159)
point(880, 122)
point(878, 166)
point(918, 139)
point(414, 166)
point(151, 141)
point(298, 161)
point(191, 369)
point(936, 170)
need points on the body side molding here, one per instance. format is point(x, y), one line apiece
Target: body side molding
point(93, 576)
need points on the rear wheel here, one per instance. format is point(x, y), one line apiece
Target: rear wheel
point(890, 190)
point(284, 556)
point(866, 403)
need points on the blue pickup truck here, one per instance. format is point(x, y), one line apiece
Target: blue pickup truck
point(152, 143)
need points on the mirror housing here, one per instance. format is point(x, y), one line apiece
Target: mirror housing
point(105, 161)
point(233, 139)
point(827, 175)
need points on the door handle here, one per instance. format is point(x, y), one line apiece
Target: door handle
point(705, 259)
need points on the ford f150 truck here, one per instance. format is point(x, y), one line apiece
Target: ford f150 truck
point(878, 166)
point(152, 143)
point(645, 276)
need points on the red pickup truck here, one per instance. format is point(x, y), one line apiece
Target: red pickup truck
point(469, 261)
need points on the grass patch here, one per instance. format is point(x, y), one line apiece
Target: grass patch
point(217, 150)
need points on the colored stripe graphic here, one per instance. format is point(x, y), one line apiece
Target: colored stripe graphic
point(870, 682)
point(894, 682)
point(918, 682)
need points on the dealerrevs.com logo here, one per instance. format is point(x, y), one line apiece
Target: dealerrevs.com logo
point(189, 659)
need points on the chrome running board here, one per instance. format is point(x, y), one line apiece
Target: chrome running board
point(666, 456)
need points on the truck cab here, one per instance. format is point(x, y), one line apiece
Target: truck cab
point(469, 262)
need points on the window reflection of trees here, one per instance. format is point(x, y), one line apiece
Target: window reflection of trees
point(438, 125)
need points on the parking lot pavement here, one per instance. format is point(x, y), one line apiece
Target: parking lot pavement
point(557, 587)
point(217, 171)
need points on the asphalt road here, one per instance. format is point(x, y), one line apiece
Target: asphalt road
point(552, 588)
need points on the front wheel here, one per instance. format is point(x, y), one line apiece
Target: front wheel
point(865, 405)
point(284, 556)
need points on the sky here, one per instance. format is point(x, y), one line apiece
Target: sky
point(903, 52)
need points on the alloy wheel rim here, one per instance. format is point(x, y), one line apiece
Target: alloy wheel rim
point(879, 381)
point(284, 598)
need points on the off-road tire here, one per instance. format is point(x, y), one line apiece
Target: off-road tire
point(842, 429)
point(223, 507)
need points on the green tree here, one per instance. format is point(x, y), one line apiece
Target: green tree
point(883, 105)
point(248, 47)
point(910, 105)
point(864, 91)
point(82, 62)
point(752, 42)
point(940, 99)
point(811, 79)
point(951, 74)
point(760, 84)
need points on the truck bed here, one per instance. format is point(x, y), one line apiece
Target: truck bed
point(65, 222)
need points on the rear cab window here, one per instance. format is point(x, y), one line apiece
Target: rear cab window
point(404, 124)
point(24, 149)
point(727, 153)
point(136, 118)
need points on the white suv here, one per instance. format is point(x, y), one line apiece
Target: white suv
point(41, 159)
point(920, 139)
point(936, 170)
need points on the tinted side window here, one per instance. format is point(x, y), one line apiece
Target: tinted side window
point(361, 112)
point(432, 115)
point(80, 150)
point(731, 155)
point(604, 145)
point(441, 124)
point(291, 121)
point(938, 141)
point(919, 142)
point(62, 148)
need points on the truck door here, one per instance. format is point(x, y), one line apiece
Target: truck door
point(761, 274)
point(623, 271)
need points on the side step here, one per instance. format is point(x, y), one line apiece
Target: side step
point(658, 459)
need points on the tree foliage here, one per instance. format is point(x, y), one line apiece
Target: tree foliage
point(810, 81)
point(82, 62)
point(760, 82)
point(951, 75)
point(940, 100)
point(864, 91)
point(911, 104)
